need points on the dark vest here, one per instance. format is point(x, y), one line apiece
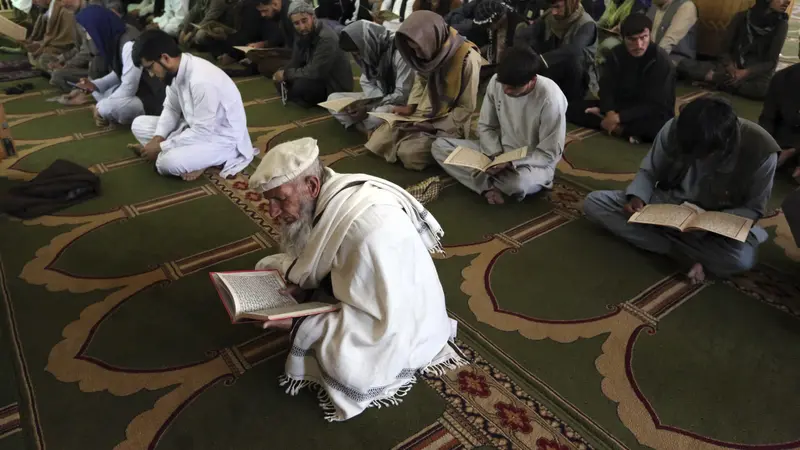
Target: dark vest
point(151, 91)
point(687, 47)
point(588, 52)
point(720, 190)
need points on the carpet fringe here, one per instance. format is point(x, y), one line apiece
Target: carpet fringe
point(440, 369)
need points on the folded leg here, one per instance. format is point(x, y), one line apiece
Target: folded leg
point(180, 161)
point(122, 110)
point(144, 128)
point(473, 179)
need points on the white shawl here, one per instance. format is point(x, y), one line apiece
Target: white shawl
point(393, 322)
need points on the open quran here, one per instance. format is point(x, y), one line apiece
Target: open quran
point(346, 103)
point(13, 30)
point(688, 217)
point(467, 157)
point(257, 295)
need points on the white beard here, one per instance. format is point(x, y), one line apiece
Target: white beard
point(295, 236)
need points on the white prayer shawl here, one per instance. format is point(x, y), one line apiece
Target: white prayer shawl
point(204, 107)
point(374, 239)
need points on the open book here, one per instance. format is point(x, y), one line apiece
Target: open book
point(467, 157)
point(385, 15)
point(688, 217)
point(13, 30)
point(215, 26)
point(391, 118)
point(256, 295)
point(341, 104)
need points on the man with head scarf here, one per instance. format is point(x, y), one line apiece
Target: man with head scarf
point(749, 53)
point(637, 88)
point(713, 160)
point(521, 109)
point(203, 123)
point(489, 24)
point(318, 66)
point(124, 93)
point(386, 79)
point(444, 94)
point(675, 28)
point(566, 40)
point(77, 62)
point(366, 243)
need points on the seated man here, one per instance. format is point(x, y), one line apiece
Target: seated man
point(170, 21)
point(707, 157)
point(207, 15)
point(365, 242)
point(385, 76)
point(566, 39)
point(338, 13)
point(521, 109)
point(318, 67)
point(76, 63)
point(444, 94)
point(203, 122)
point(781, 116)
point(125, 93)
point(52, 34)
point(637, 88)
point(750, 52)
point(674, 28)
point(489, 24)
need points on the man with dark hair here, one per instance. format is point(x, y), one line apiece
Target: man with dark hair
point(781, 117)
point(637, 88)
point(712, 159)
point(520, 109)
point(318, 66)
point(566, 39)
point(489, 24)
point(203, 123)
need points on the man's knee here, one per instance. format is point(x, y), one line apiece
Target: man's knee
point(740, 257)
point(168, 164)
point(441, 149)
point(142, 128)
point(415, 155)
point(599, 204)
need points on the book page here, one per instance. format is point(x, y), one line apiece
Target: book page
point(297, 310)
point(724, 224)
point(243, 49)
point(11, 29)
point(338, 104)
point(513, 155)
point(675, 216)
point(391, 118)
point(467, 157)
point(253, 291)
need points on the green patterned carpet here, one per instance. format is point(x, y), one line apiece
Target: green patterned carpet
point(113, 337)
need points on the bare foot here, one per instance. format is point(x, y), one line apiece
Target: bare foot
point(494, 197)
point(785, 156)
point(191, 176)
point(285, 324)
point(79, 99)
point(137, 148)
point(696, 274)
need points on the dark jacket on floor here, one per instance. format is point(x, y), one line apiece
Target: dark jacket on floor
point(781, 113)
point(638, 87)
point(318, 57)
point(59, 186)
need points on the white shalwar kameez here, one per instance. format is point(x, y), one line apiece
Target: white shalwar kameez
point(203, 121)
point(116, 98)
point(374, 241)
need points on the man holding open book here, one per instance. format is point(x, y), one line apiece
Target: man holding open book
point(370, 242)
point(698, 192)
point(521, 133)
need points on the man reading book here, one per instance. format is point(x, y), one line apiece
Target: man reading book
point(369, 242)
point(707, 157)
point(520, 109)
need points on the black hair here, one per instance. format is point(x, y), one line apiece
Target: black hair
point(707, 125)
point(635, 24)
point(518, 66)
point(151, 44)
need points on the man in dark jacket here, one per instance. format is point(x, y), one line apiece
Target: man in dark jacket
point(318, 66)
point(781, 116)
point(637, 88)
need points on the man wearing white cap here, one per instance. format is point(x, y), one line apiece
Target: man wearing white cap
point(369, 242)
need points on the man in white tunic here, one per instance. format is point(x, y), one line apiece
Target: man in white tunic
point(369, 242)
point(171, 21)
point(203, 123)
point(520, 108)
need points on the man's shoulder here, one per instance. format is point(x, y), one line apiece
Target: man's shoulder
point(206, 73)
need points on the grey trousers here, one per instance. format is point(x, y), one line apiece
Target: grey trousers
point(60, 77)
point(719, 255)
point(753, 88)
point(526, 180)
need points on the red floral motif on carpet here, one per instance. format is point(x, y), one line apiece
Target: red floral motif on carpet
point(473, 384)
point(549, 444)
point(513, 417)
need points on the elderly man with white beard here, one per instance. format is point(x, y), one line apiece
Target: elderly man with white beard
point(369, 242)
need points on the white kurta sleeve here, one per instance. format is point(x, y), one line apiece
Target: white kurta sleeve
point(206, 102)
point(106, 82)
point(131, 74)
point(172, 20)
point(170, 115)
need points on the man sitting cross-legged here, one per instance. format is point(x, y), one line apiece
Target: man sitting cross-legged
point(520, 108)
point(637, 87)
point(203, 123)
point(708, 157)
point(366, 242)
